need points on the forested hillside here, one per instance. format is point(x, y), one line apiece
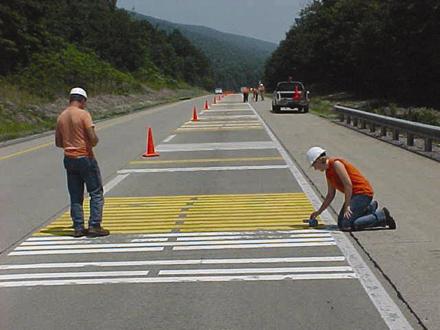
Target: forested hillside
point(236, 60)
point(49, 46)
point(387, 49)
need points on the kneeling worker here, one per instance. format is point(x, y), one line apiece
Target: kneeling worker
point(359, 210)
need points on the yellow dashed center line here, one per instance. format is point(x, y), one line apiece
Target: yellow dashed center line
point(18, 153)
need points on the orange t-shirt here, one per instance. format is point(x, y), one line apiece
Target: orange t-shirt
point(71, 126)
point(360, 184)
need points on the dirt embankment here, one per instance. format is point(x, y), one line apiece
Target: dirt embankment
point(18, 120)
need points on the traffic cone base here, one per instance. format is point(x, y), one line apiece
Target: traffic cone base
point(150, 152)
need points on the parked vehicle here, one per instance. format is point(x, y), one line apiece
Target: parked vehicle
point(290, 94)
point(218, 91)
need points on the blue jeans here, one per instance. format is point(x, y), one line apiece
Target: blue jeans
point(362, 215)
point(82, 171)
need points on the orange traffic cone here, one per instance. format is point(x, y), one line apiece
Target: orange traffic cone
point(195, 114)
point(206, 105)
point(150, 152)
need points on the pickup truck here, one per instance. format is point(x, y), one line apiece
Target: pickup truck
point(290, 95)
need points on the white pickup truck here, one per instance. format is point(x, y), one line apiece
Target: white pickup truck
point(290, 95)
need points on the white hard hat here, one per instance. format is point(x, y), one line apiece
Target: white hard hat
point(314, 153)
point(78, 91)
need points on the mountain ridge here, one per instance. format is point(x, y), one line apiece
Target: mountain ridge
point(201, 29)
point(236, 60)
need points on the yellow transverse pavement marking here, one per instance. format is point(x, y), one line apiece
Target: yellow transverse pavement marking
point(205, 160)
point(164, 214)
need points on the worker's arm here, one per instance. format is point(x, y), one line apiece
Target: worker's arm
point(348, 186)
point(58, 138)
point(331, 192)
point(92, 135)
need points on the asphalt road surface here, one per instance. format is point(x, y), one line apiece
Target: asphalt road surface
point(209, 235)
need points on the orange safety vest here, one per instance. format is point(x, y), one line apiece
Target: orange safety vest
point(360, 184)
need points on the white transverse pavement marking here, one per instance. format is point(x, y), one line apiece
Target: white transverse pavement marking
point(179, 243)
point(72, 275)
point(255, 270)
point(172, 262)
point(181, 279)
point(216, 146)
point(228, 117)
point(228, 110)
point(251, 246)
point(84, 251)
point(389, 311)
point(198, 169)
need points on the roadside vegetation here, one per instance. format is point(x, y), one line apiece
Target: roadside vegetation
point(385, 51)
point(322, 105)
point(49, 47)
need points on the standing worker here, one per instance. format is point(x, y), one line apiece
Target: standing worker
point(255, 93)
point(245, 91)
point(75, 133)
point(359, 210)
point(261, 90)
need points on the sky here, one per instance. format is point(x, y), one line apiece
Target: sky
point(262, 19)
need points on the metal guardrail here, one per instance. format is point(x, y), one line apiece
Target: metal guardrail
point(412, 129)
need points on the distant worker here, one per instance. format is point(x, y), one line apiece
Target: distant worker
point(75, 133)
point(359, 210)
point(261, 90)
point(245, 91)
point(255, 94)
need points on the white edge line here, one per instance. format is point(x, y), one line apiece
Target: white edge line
point(387, 308)
point(168, 139)
point(111, 184)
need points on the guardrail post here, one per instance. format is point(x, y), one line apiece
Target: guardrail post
point(383, 131)
point(341, 117)
point(363, 124)
point(428, 144)
point(348, 120)
point(355, 122)
point(396, 134)
point(372, 128)
point(410, 139)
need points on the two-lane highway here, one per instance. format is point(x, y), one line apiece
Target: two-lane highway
point(209, 235)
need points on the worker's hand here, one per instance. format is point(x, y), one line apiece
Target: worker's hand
point(314, 215)
point(348, 213)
